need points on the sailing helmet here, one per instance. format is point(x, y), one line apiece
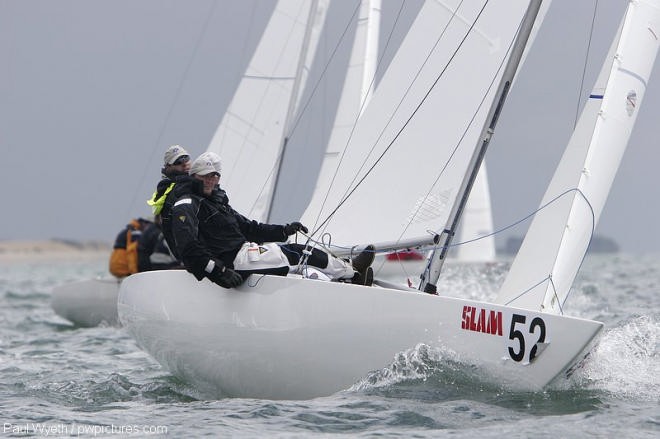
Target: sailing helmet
point(205, 164)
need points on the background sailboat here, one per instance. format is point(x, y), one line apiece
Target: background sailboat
point(87, 303)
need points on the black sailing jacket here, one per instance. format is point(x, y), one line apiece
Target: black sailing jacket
point(206, 228)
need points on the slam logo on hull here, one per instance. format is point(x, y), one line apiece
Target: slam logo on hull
point(482, 320)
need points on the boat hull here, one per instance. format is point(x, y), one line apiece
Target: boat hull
point(87, 303)
point(292, 338)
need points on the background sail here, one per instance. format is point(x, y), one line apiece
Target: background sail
point(400, 177)
point(476, 242)
point(250, 136)
point(357, 89)
point(559, 235)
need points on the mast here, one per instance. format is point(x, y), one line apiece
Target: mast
point(293, 102)
point(429, 277)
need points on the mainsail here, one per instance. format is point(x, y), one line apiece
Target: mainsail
point(400, 171)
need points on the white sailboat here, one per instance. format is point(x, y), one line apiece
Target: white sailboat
point(290, 338)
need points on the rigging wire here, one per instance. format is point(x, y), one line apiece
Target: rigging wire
point(157, 145)
point(325, 69)
point(460, 140)
point(549, 276)
point(309, 12)
point(408, 120)
point(584, 67)
point(362, 106)
point(303, 110)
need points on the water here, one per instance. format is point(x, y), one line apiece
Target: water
point(62, 381)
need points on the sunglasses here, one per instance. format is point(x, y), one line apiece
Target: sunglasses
point(181, 160)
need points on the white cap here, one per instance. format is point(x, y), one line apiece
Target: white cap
point(205, 164)
point(174, 152)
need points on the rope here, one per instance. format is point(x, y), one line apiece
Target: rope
point(549, 276)
point(526, 291)
point(593, 218)
point(258, 278)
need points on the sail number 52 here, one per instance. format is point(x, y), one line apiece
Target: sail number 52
point(517, 333)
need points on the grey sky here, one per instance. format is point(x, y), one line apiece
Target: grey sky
point(91, 93)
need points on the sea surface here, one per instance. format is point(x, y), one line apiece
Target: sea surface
point(57, 380)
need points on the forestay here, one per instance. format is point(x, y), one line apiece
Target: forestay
point(549, 258)
point(398, 174)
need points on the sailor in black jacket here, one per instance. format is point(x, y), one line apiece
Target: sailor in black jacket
point(215, 241)
point(176, 166)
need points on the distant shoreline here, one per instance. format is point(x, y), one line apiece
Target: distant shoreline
point(52, 248)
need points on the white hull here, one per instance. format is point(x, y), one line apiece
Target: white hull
point(292, 338)
point(87, 303)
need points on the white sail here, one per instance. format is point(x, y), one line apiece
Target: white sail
point(550, 256)
point(250, 136)
point(421, 152)
point(356, 90)
point(477, 242)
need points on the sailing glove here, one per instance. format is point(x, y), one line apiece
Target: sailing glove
point(224, 276)
point(294, 227)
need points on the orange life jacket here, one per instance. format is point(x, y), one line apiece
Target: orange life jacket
point(124, 256)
